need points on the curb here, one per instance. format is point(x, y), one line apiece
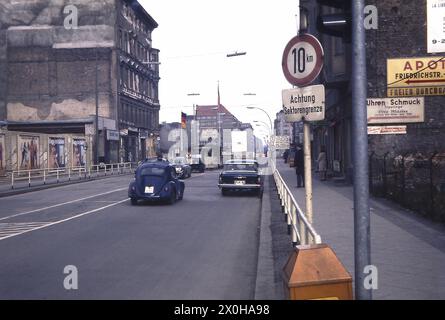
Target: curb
point(265, 280)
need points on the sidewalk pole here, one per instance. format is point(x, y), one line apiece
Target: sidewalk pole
point(360, 151)
point(308, 171)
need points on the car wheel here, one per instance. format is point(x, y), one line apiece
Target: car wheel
point(134, 201)
point(172, 199)
point(224, 192)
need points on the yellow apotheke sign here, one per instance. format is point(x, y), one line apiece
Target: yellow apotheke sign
point(414, 77)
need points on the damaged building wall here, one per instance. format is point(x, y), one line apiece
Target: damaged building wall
point(50, 70)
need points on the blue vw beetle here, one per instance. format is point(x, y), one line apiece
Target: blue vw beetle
point(156, 181)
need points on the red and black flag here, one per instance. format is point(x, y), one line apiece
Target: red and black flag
point(183, 120)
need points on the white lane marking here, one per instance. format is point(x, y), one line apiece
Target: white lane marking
point(8, 229)
point(60, 204)
point(99, 201)
point(46, 225)
point(7, 224)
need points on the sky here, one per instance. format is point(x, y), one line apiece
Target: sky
point(194, 37)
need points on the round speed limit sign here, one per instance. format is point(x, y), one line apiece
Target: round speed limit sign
point(302, 60)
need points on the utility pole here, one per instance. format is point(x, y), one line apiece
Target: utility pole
point(307, 150)
point(96, 147)
point(362, 241)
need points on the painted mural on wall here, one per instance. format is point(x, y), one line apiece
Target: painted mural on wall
point(56, 153)
point(79, 154)
point(28, 152)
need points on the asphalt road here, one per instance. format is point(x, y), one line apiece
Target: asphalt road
point(204, 247)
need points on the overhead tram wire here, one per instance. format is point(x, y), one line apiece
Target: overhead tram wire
point(196, 55)
point(228, 55)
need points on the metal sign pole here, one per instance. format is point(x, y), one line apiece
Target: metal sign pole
point(308, 171)
point(360, 151)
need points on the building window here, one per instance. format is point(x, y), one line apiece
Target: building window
point(149, 89)
point(121, 80)
point(136, 82)
point(155, 92)
point(339, 48)
point(131, 85)
point(127, 41)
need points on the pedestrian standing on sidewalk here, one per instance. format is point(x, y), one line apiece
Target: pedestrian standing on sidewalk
point(322, 163)
point(299, 166)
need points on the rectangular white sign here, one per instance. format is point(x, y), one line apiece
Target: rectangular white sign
point(281, 142)
point(378, 130)
point(396, 110)
point(112, 135)
point(306, 103)
point(436, 26)
point(239, 141)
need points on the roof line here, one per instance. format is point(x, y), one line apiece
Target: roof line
point(136, 5)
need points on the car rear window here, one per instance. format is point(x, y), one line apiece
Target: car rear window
point(243, 167)
point(179, 161)
point(152, 171)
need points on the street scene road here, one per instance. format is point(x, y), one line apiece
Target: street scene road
point(222, 150)
point(204, 247)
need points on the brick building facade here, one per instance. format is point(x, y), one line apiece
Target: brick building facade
point(57, 77)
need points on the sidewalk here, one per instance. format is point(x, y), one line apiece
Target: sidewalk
point(408, 250)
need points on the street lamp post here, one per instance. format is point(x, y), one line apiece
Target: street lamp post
point(194, 129)
point(219, 135)
point(96, 118)
point(267, 114)
point(265, 129)
point(219, 114)
point(258, 122)
point(271, 153)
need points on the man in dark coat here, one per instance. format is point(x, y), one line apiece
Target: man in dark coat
point(299, 166)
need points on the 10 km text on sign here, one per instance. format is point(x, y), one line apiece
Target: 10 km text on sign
point(302, 60)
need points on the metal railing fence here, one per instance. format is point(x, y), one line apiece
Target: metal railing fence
point(302, 231)
point(56, 175)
